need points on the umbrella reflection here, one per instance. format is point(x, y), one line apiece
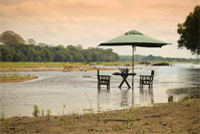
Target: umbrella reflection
point(146, 96)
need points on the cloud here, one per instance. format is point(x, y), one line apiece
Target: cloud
point(31, 11)
point(90, 19)
point(162, 9)
point(95, 4)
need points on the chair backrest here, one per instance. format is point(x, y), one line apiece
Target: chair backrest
point(97, 72)
point(152, 72)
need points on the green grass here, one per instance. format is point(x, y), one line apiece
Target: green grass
point(38, 64)
point(67, 64)
point(13, 78)
point(59, 64)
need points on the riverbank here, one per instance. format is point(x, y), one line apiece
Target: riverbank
point(58, 66)
point(176, 117)
point(16, 78)
point(66, 69)
point(69, 67)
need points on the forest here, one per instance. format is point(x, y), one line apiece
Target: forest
point(13, 48)
point(71, 53)
point(47, 53)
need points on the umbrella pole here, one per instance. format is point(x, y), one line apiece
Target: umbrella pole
point(132, 75)
point(133, 67)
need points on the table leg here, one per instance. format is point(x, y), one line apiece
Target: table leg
point(124, 80)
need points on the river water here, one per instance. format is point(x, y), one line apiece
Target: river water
point(52, 90)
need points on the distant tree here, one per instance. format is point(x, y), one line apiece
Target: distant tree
point(80, 47)
point(10, 38)
point(48, 54)
point(189, 32)
point(6, 53)
point(76, 53)
point(18, 57)
point(31, 41)
point(87, 55)
point(42, 44)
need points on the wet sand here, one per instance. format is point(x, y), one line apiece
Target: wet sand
point(174, 117)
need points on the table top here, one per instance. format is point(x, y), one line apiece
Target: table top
point(118, 73)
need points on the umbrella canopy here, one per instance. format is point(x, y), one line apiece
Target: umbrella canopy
point(134, 38)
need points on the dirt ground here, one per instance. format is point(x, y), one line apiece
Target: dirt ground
point(172, 118)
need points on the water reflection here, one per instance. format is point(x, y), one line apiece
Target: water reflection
point(146, 95)
point(103, 97)
point(124, 98)
point(178, 94)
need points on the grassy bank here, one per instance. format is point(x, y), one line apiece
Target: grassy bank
point(38, 64)
point(57, 64)
point(69, 64)
point(181, 117)
point(15, 78)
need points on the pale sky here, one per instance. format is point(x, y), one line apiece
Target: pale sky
point(91, 22)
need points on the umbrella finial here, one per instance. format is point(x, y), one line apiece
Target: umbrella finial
point(133, 32)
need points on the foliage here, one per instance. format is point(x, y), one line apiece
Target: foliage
point(189, 32)
point(129, 58)
point(31, 41)
point(2, 116)
point(9, 78)
point(41, 53)
point(36, 111)
point(10, 38)
point(48, 113)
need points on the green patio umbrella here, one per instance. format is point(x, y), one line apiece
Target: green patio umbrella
point(135, 39)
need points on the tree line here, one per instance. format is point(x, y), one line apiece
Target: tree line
point(142, 58)
point(39, 53)
point(14, 48)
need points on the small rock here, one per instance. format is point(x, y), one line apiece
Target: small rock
point(12, 128)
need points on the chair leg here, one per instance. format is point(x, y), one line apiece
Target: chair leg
point(108, 86)
point(99, 86)
point(142, 84)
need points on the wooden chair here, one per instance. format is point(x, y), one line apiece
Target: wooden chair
point(103, 80)
point(147, 79)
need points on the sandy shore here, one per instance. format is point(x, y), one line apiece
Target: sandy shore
point(172, 118)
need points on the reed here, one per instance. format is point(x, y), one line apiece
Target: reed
point(15, 78)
